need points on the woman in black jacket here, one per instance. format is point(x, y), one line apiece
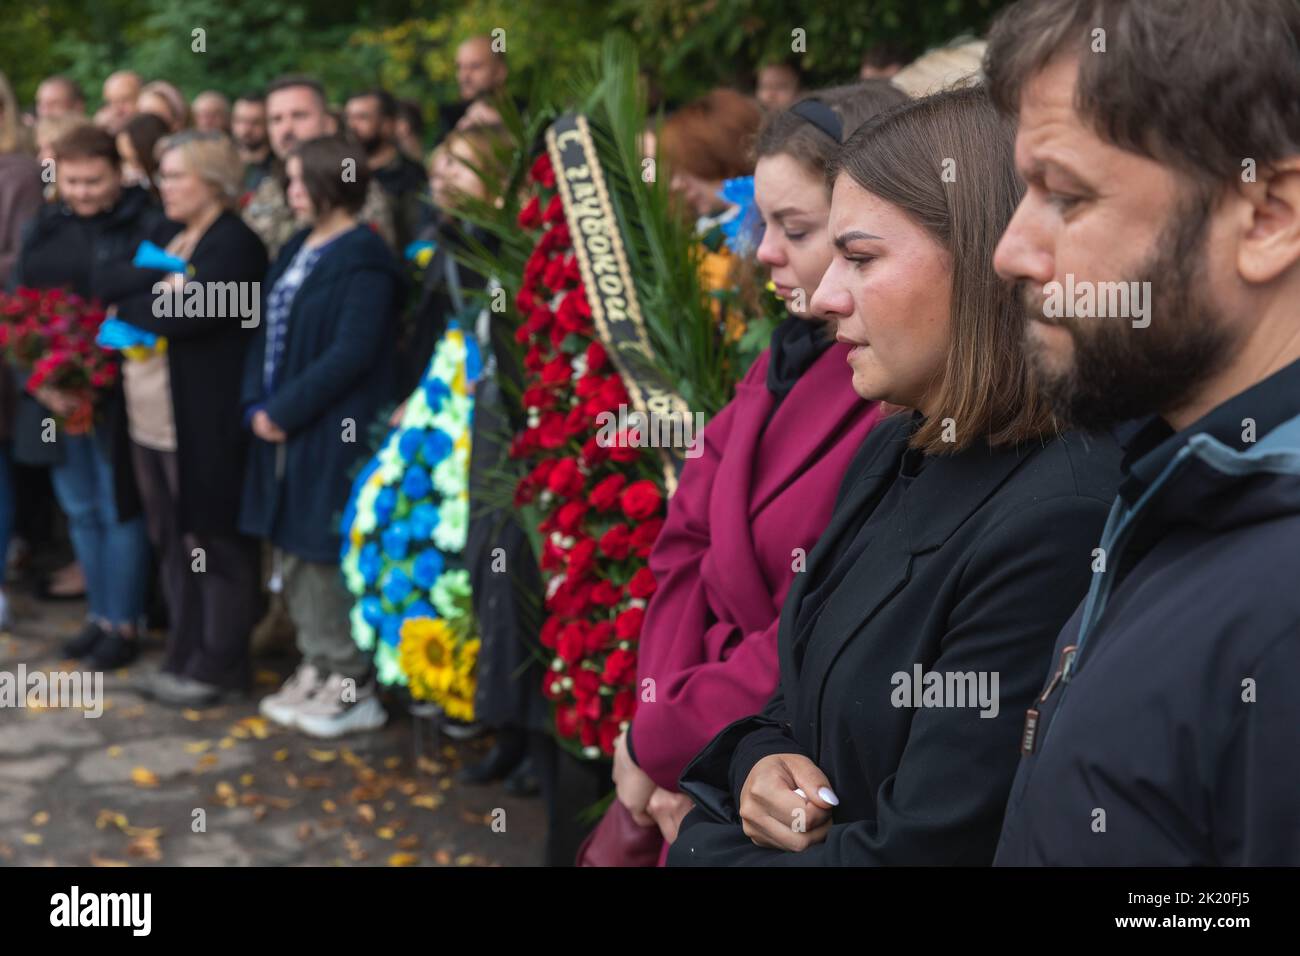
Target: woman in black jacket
point(84, 243)
point(182, 441)
point(315, 380)
point(961, 539)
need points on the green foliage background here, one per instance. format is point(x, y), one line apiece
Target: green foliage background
point(409, 45)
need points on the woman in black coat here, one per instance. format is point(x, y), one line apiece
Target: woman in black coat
point(182, 442)
point(961, 539)
point(316, 378)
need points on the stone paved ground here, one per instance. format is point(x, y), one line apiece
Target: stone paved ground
point(123, 789)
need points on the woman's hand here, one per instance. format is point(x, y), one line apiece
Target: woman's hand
point(668, 809)
point(266, 429)
point(633, 786)
point(60, 403)
point(773, 815)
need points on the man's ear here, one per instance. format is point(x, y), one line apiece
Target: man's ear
point(1270, 242)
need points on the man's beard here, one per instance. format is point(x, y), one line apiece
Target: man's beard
point(1119, 372)
point(252, 145)
point(372, 144)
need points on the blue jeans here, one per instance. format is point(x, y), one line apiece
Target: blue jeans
point(114, 554)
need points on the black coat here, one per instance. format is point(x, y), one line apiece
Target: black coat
point(337, 367)
point(1176, 741)
point(205, 358)
point(85, 255)
point(985, 557)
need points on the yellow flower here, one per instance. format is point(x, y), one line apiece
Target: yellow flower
point(427, 653)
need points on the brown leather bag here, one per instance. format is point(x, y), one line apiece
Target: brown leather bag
point(618, 840)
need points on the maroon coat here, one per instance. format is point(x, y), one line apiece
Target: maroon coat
point(726, 556)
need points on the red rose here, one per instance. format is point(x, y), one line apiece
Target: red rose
point(550, 431)
point(589, 732)
point(572, 642)
point(609, 731)
point(623, 450)
point(645, 533)
point(566, 717)
point(612, 392)
point(576, 423)
point(640, 500)
point(643, 584)
point(606, 593)
point(525, 492)
point(596, 357)
point(558, 371)
point(620, 667)
point(554, 210)
point(564, 479)
point(541, 171)
point(550, 632)
point(550, 692)
point(581, 557)
point(570, 516)
point(601, 634)
point(628, 624)
point(604, 495)
point(616, 542)
point(530, 217)
point(539, 320)
point(592, 451)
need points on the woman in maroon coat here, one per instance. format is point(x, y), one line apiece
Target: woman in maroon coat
point(749, 509)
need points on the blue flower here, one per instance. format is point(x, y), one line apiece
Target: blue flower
point(423, 518)
point(437, 446)
point(419, 609)
point(390, 630)
point(416, 484)
point(372, 610)
point(435, 391)
point(385, 502)
point(397, 586)
point(743, 230)
point(370, 563)
point(427, 567)
point(396, 539)
point(408, 444)
point(473, 360)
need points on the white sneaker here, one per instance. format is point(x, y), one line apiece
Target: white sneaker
point(341, 706)
point(282, 706)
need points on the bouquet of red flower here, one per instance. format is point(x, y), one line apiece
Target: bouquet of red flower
point(50, 334)
point(601, 505)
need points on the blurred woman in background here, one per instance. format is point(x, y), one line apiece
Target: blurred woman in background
point(182, 442)
point(338, 288)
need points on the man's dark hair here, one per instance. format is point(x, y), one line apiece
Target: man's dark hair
point(252, 96)
point(1202, 85)
point(291, 80)
point(387, 104)
point(323, 161)
point(85, 141)
point(409, 110)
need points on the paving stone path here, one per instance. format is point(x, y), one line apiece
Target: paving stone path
point(148, 785)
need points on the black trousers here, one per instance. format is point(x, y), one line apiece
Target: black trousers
point(211, 581)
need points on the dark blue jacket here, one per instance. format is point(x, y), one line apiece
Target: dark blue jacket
point(336, 374)
point(1176, 740)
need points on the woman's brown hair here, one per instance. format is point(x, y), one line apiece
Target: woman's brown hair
point(946, 161)
point(711, 137)
point(324, 160)
point(788, 133)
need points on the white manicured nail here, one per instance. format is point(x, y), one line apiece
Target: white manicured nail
point(827, 794)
